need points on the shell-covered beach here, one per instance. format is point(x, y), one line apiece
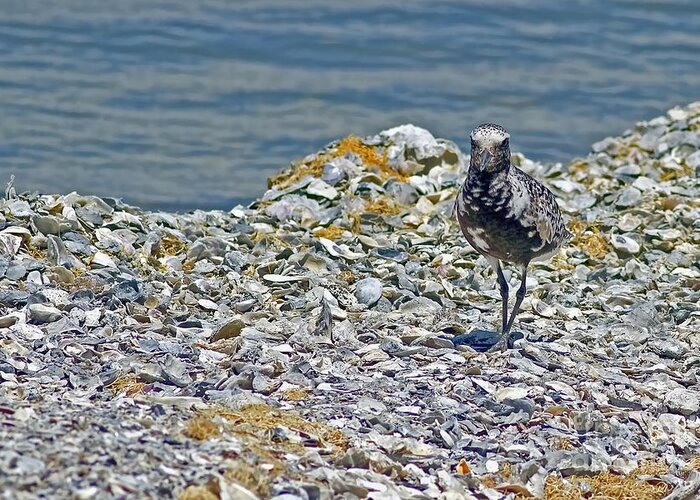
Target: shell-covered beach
point(315, 344)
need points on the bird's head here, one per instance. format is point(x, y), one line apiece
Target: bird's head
point(490, 148)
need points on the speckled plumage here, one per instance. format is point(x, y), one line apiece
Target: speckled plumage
point(506, 214)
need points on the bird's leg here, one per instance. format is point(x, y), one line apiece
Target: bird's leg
point(503, 285)
point(502, 343)
point(519, 296)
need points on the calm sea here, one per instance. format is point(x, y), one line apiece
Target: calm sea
point(182, 104)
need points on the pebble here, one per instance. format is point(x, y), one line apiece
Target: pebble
point(693, 160)
point(628, 197)
point(683, 401)
point(625, 245)
point(368, 291)
point(322, 189)
point(42, 313)
point(16, 272)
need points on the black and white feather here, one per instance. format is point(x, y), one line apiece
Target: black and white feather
point(506, 214)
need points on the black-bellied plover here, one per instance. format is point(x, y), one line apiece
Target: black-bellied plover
point(506, 215)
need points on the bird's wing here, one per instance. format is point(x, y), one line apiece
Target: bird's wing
point(545, 229)
point(542, 210)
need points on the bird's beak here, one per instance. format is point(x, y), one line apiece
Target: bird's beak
point(484, 158)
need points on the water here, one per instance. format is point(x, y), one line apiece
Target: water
point(185, 104)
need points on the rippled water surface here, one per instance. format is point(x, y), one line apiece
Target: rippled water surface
point(185, 104)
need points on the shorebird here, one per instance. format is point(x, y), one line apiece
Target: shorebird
point(506, 214)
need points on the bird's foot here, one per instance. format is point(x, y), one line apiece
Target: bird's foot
point(506, 341)
point(501, 345)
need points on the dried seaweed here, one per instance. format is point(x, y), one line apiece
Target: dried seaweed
point(610, 486)
point(128, 385)
point(331, 232)
point(371, 157)
point(589, 239)
point(383, 206)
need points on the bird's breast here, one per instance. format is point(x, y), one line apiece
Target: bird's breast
point(497, 226)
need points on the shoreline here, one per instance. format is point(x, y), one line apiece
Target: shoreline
point(303, 346)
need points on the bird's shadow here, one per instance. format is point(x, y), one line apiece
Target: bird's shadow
point(483, 340)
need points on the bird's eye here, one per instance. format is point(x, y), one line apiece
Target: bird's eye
point(504, 142)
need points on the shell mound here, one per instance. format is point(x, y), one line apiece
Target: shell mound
point(305, 346)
